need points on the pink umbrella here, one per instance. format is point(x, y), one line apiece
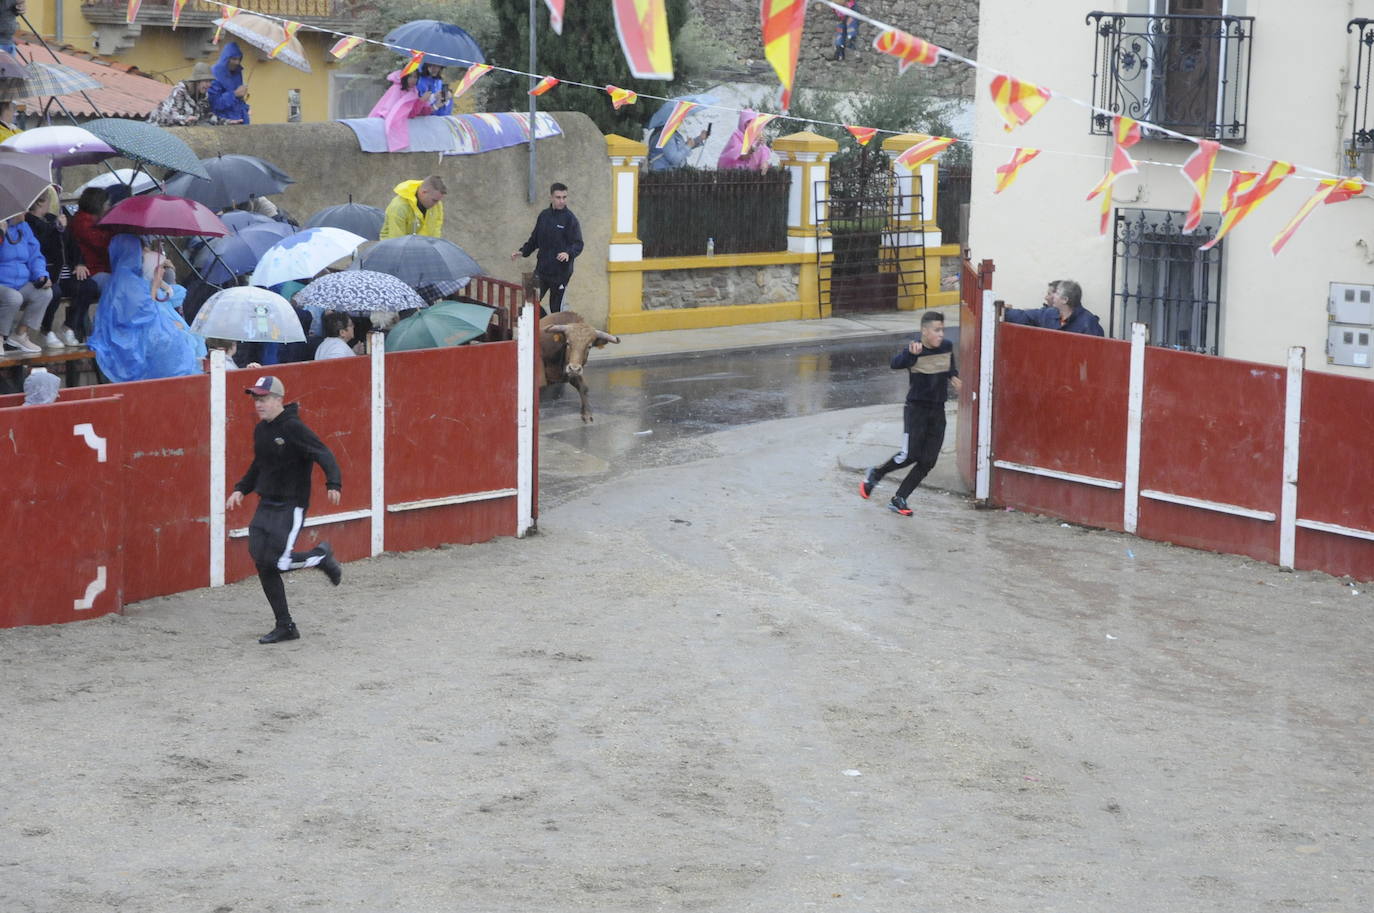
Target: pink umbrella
point(160, 214)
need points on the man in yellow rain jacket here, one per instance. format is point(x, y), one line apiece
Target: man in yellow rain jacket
point(418, 209)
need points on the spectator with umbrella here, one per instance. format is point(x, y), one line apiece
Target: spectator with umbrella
point(338, 337)
point(92, 241)
point(188, 104)
point(24, 286)
point(397, 106)
point(417, 209)
point(67, 275)
point(7, 127)
point(228, 95)
point(433, 90)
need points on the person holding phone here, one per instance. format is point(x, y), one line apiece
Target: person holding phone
point(674, 152)
point(25, 289)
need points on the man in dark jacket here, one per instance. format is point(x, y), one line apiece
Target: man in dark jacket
point(557, 236)
point(1064, 310)
point(929, 363)
point(283, 451)
point(228, 95)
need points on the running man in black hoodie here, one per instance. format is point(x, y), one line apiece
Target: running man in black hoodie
point(283, 451)
point(557, 236)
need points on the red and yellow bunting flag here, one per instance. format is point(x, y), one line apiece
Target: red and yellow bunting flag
point(907, 48)
point(863, 135)
point(753, 131)
point(1006, 174)
point(1197, 171)
point(1241, 181)
point(132, 12)
point(1017, 101)
point(413, 64)
point(1328, 191)
point(344, 45)
point(289, 30)
point(226, 12)
point(1126, 132)
point(925, 149)
point(555, 15)
point(474, 73)
point(1249, 195)
point(675, 119)
point(545, 84)
point(621, 97)
point(177, 7)
point(782, 22)
point(643, 29)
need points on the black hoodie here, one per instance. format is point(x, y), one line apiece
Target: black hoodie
point(283, 450)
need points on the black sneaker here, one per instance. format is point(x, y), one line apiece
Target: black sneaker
point(330, 565)
point(869, 483)
point(280, 633)
point(898, 506)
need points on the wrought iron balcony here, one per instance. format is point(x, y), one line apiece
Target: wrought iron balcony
point(200, 14)
point(1189, 74)
point(1362, 129)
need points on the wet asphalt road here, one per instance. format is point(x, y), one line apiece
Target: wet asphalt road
point(643, 408)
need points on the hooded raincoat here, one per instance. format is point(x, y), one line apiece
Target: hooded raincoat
point(224, 104)
point(396, 107)
point(731, 157)
point(135, 337)
point(403, 215)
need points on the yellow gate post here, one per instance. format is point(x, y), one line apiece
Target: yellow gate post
point(807, 158)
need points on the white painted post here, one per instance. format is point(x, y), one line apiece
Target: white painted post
point(1292, 435)
point(987, 327)
point(218, 422)
point(377, 348)
point(1135, 413)
point(524, 422)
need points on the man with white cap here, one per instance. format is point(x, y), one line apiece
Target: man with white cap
point(284, 450)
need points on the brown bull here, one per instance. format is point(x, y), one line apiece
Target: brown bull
point(564, 341)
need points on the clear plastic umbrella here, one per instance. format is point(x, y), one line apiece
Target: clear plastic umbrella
point(266, 35)
point(248, 314)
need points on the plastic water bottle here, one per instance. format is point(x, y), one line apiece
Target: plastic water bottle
point(710, 247)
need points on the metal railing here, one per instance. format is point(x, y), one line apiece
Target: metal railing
point(1362, 128)
point(1161, 278)
point(1190, 74)
point(198, 10)
point(742, 211)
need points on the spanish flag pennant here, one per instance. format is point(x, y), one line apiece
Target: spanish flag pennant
point(474, 73)
point(1241, 181)
point(1248, 196)
point(177, 7)
point(1006, 174)
point(1328, 191)
point(227, 12)
point(925, 149)
point(413, 64)
point(555, 15)
point(862, 134)
point(621, 97)
point(289, 30)
point(132, 12)
point(545, 84)
point(907, 48)
point(344, 45)
point(1197, 171)
point(1126, 133)
point(753, 130)
point(782, 23)
point(643, 29)
point(1017, 101)
point(679, 114)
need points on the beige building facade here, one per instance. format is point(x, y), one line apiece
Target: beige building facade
point(1275, 80)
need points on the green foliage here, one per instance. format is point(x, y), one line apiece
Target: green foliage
point(476, 17)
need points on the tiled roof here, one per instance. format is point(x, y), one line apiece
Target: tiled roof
point(125, 92)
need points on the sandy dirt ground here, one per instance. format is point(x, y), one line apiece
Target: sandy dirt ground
point(725, 685)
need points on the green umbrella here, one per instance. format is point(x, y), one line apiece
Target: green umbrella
point(448, 323)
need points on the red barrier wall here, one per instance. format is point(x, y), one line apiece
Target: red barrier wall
point(972, 283)
point(1060, 403)
point(1212, 429)
point(1335, 443)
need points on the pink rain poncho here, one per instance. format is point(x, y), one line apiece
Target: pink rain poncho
point(396, 107)
point(759, 153)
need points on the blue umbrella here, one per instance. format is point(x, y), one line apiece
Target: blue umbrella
point(238, 253)
point(304, 254)
point(449, 45)
point(236, 220)
point(661, 115)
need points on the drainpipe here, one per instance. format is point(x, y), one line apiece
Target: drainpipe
point(1344, 164)
point(57, 22)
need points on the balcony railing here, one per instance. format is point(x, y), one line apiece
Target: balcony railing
point(1362, 129)
point(1189, 74)
point(201, 13)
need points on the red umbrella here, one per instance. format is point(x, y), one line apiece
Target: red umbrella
point(164, 215)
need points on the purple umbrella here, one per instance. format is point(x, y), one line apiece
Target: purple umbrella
point(66, 144)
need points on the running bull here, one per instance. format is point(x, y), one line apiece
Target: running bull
point(565, 339)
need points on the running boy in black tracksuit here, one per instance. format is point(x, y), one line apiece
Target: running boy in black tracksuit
point(929, 362)
point(284, 450)
point(557, 236)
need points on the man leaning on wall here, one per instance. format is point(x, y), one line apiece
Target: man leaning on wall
point(1063, 310)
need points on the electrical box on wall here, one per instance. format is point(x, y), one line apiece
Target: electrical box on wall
point(1350, 310)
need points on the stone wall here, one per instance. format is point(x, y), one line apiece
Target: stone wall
point(951, 24)
point(715, 287)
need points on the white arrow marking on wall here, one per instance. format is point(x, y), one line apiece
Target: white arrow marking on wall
point(93, 589)
point(94, 441)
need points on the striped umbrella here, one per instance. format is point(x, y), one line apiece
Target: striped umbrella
point(46, 79)
point(147, 143)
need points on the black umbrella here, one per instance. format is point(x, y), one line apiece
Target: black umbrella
point(147, 143)
point(355, 217)
point(432, 266)
point(234, 179)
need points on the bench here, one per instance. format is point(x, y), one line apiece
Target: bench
point(70, 360)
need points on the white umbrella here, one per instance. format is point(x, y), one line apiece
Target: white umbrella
point(304, 254)
point(142, 182)
point(265, 35)
point(248, 314)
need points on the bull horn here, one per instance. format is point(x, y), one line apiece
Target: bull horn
point(606, 337)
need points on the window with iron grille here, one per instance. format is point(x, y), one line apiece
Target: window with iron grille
point(1161, 278)
point(1184, 66)
point(1362, 131)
